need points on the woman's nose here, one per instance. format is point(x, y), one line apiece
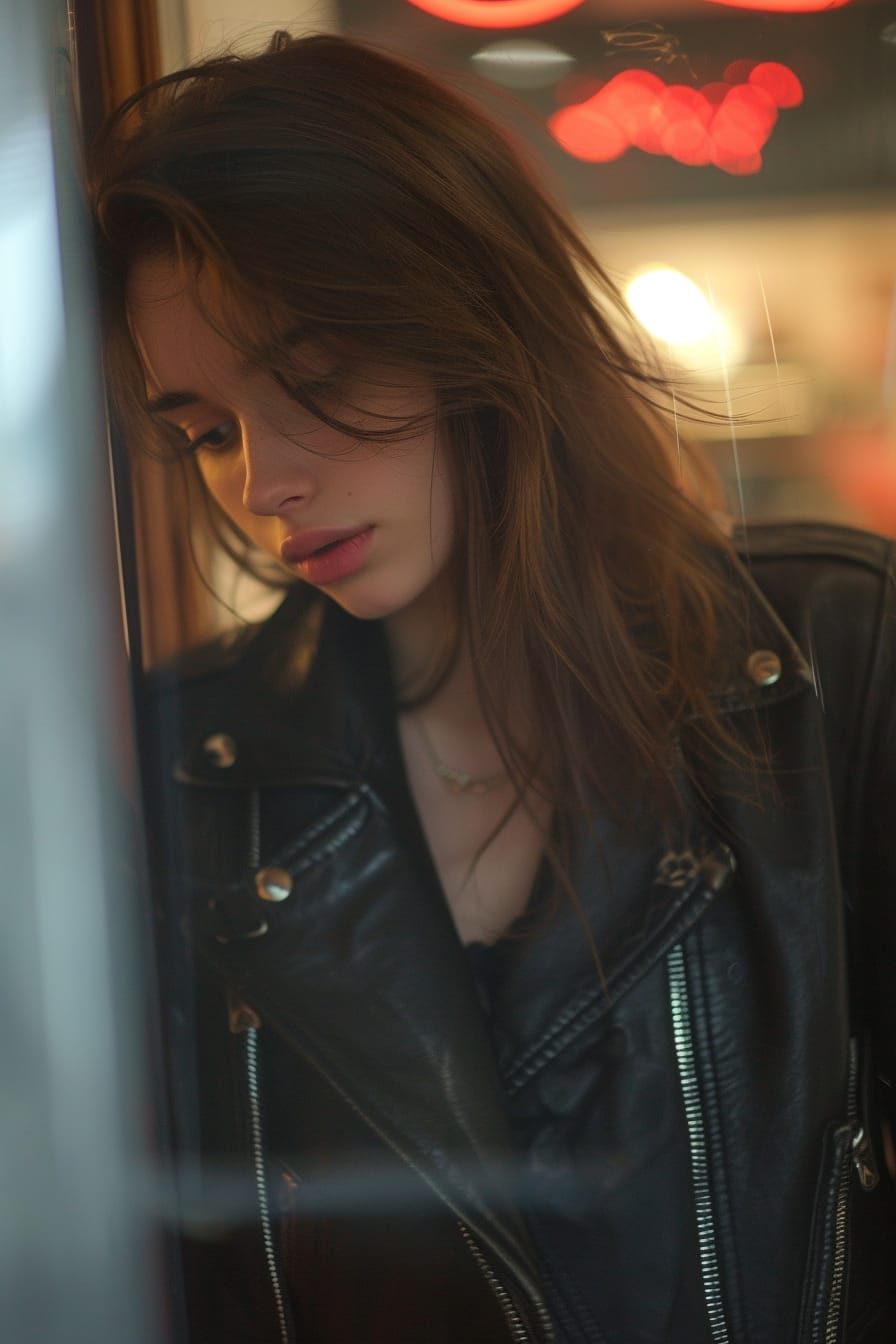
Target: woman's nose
point(278, 473)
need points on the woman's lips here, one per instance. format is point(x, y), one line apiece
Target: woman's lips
point(344, 553)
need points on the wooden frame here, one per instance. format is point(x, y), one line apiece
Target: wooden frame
point(117, 51)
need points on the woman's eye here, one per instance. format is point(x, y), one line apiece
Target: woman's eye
point(222, 436)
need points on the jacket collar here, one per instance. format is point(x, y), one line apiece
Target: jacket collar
point(307, 696)
point(759, 662)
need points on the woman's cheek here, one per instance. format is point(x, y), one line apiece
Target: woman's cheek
point(225, 482)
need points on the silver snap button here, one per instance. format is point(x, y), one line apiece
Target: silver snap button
point(273, 884)
point(221, 750)
point(676, 869)
point(763, 667)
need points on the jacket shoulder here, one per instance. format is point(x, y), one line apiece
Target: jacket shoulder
point(833, 544)
point(824, 580)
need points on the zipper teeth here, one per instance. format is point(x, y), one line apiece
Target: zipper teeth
point(261, 1185)
point(260, 1181)
point(518, 1331)
point(838, 1270)
point(832, 1327)
point(687, 1069)
point(852, 1098)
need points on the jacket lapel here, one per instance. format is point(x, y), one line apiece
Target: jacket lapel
point(359, 968)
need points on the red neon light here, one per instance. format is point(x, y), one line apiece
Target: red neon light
point(496, 13)
point(783, 6)
point(779, 82)
point(726, 123)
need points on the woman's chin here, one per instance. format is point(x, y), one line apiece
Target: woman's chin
point(372, 598)
point(367, 606)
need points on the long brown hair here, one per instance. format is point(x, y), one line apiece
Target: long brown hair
point(336, 191)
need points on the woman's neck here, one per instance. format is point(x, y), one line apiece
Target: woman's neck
point(485, 846)
point(418, 644)
point(453, 713)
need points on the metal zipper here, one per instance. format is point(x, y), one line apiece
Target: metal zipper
point(838, 1267)
point(245, 1020)
point(687, 1071)
point(863, 1155)
point(864, 1160)
point(851, 1156)
point(251, 1035)
point(518, 1332)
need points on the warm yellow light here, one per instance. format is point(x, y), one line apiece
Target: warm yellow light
point(677, 312)
point(670, 306)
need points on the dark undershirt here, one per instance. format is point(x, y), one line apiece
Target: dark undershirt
point(554, 1242)
point(486, 965)
point(487, 961)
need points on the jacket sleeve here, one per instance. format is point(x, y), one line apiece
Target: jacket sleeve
point(875, 902)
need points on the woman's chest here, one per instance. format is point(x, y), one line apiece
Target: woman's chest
point(487, 861)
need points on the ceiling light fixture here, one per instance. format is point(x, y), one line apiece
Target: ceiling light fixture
point(520, 63)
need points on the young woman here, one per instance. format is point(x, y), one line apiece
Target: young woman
point(526, 881)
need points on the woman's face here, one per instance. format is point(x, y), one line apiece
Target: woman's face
point(368, 522)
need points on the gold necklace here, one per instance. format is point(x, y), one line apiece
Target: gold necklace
point(457, 781)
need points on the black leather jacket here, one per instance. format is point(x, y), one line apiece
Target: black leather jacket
point(688, 1153)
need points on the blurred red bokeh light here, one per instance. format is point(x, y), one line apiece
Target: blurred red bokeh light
point(783, 6)
point(496, 13)
point(726, 123)
point(779, 82)
point(859, 461)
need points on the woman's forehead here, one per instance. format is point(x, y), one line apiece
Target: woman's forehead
point(165, 283)
point(188, 340)
point(163, 294)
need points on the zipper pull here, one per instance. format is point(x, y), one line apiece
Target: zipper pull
point(240, 1017)
point(864, 1160)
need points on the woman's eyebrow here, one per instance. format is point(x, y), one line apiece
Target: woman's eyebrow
point(170, 401)
point(258, 362)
